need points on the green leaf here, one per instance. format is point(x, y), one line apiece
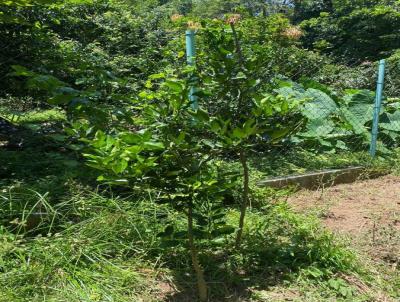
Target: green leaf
point(249, 127)
point(175, 86)
point(120, 166)
point(238, 133)
point(131, 138)
point(201, 115)
point(341, 145)
point(318, 128)
point(289, 91)
point(225, 230)
point(215, 126)
point(44, 82)
point(393, 123)
point(356, 118)
point(157, 76)
point(181, 138)
point(61, 99)
point(320, 105)
point(21, 71)
point(278, 134)
point(362, 112)
point(153, 145)
point(58, 137)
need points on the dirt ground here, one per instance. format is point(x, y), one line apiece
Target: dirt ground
point(367, 212)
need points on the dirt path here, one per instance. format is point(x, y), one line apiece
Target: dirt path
point(368, 212)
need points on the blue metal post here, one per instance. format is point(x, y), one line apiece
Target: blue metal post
point(191, 54)
point(377, 108)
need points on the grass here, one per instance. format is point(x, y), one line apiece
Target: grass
point(301, 161)
point(63, 238)
point(102, 255)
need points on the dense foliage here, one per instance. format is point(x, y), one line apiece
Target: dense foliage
point(357, 33)
point(268, 76)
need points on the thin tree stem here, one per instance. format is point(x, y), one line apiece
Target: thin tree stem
point(245, 197)
point(201, 283)
point(242, 67)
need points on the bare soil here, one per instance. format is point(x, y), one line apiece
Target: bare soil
point(367, 212)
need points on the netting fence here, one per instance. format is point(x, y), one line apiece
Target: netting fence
point(360, 122)
point(352, 113)
point(344, 115)
point(365, 117)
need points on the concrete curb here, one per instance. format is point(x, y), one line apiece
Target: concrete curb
point(315, 180)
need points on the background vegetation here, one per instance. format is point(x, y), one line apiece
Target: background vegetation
point(115, 187)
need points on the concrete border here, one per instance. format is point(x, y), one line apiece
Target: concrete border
point(315, 180)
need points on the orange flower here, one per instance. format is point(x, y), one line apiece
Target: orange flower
point(176, 17)
point(233, 19)
point(193, 25)
point(293, 33)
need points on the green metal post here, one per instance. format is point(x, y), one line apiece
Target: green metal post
point(191, 54)
point(377, 108)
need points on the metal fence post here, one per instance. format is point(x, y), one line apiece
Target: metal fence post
point(377, 108)
point(190, 55)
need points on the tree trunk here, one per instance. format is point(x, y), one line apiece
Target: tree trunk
point(201, 283)
point(245, 197)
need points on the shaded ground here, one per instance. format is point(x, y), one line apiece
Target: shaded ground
point(368, 212)
point(33, 158)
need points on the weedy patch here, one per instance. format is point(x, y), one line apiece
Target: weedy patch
point(366, 213)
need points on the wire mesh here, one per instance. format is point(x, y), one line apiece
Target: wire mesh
point(339, 117)
point(338, 121)
point(389, 119)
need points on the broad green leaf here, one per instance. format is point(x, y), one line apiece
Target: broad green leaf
point(278, 134)
point(318, 128)
point(120, 166)
point(175, 86)
point(131, 138)
point(290, 92)
point(320, 105)
point(60, 99)
point(238, 133)
point(249, 127)
point(356, 119)
point(394, 122)
point(153, 145)
point(359, 110)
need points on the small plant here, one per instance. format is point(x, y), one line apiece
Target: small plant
point(169, 155)
point(173, 149)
